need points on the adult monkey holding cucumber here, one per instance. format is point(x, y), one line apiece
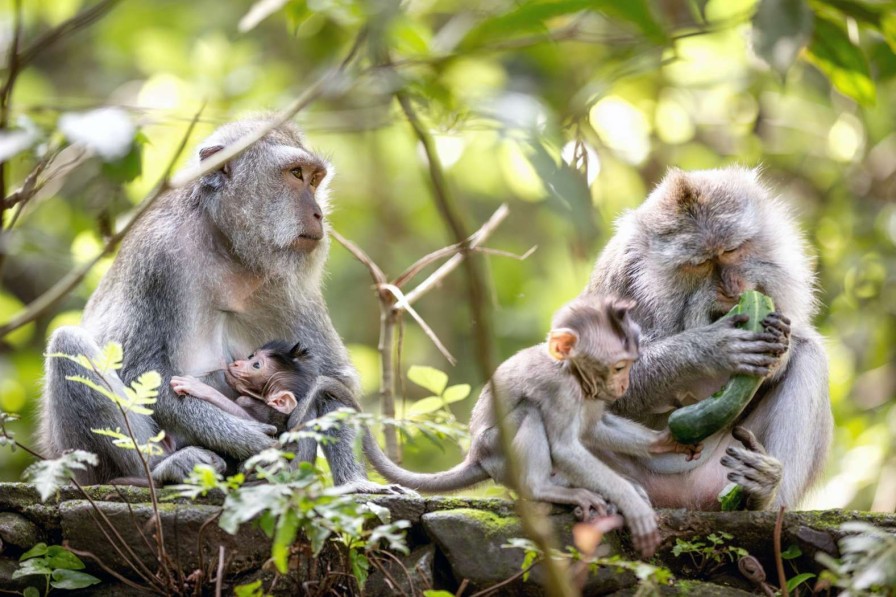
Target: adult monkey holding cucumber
point(685, 255)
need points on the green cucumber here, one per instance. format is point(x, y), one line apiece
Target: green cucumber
point(694, 423)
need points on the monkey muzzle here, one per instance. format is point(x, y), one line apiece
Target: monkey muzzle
point(307, 241)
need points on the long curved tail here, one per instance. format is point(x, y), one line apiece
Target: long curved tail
point(463, 475)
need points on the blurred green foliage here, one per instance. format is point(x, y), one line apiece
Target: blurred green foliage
point(570, 111)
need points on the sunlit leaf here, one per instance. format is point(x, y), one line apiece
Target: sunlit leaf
point(110, 358)
point(425, 406)
point(284, 536)
point(799, 579)
point(253, 589)
point(456, 393)
point(428, 377)
point(843, 63)
point(259, 11)
point(38, 550)
point(49, 475)
point(108, 132)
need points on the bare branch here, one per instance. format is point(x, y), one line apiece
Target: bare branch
point(379, 278)
point(500, 253)
point(83, 19)
point(402, 304)
point(64, 286)
point(476, 239)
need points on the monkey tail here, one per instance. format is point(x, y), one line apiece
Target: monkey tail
point(463, 475)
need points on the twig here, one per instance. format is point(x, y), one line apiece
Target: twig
point(68, 283)
point(473, 242)
point(219, 579)
point(504, 582)
point(402, 304)
point(375, 272)
point(106, 569)
point(779, 561)
point(81, 20)
point(537, 528)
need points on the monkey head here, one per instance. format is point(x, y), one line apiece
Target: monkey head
point(712, 235)
point(598, 343)
point(269, 204)
point(278, 373)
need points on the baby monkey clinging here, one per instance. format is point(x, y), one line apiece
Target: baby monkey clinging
point(278, 374)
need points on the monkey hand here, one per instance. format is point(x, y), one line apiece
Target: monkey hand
point(779, 326)
point(641, 520)
point(666, 444)
point(758, 473)
point(730, 350)
point(185, 385)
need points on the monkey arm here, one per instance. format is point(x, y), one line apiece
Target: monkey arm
point(190, 386)
point(790, 462)
point(583, 469)
point(621, 435)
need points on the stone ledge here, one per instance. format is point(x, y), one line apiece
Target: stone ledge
point(452, 539)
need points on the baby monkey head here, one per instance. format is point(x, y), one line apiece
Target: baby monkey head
point(279, 373)
point(597, 341)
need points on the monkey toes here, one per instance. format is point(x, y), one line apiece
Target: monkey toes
point(753, 469)
point(645, 534)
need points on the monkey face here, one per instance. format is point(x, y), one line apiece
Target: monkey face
point(250, 375)
point(270, 202)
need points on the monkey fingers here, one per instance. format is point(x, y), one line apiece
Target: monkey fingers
point(645, 534)
point(590, 505)
point(777, 324)
point(758, 474)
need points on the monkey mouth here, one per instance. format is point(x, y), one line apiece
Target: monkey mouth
point(307, 241)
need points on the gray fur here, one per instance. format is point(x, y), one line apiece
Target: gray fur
point(559, 428)
point(687, 354)
point(206, 276)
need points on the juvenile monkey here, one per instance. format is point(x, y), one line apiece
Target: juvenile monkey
point(685, 255)
point(278, 374)
point(212, 271)
point(555, 395)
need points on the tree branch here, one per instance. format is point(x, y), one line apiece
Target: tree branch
point(68, 283)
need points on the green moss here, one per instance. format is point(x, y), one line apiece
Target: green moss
point(493, 524)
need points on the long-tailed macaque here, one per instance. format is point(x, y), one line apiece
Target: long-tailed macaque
point(684, 256)
point(212, 271)
point(278, 374)
point(554, 394)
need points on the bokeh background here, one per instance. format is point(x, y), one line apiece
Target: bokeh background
point(568, 111)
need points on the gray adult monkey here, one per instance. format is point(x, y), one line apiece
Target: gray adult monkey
point(685, 255)
point(214, 270)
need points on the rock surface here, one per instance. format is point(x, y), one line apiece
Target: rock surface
point(454, 543)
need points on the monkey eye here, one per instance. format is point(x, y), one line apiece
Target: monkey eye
point(256, 365)
point(297, 172)
point(620, 366)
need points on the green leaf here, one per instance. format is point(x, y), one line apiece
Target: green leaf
point(798, 580)
point(842, 62)
point(59, 557)
point(110, 359)
point(437, 593)
point(792, 551)
point(860, 11)
point(32, 567)
point(252, 589)
point(426, 406)
point(428, 377)
point(285, 535)
point(781, 29)
point(30, 592)
point(731, 497)
point(38, 550)
point(360, 566)
point(48, 475)
point(71, 579)
point(456, 393)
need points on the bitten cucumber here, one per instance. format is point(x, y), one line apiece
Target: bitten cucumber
point(694, 423)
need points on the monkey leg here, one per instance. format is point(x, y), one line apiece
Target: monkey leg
point(793, 423)
point(532, 446)
point(69, 410)
point(176, 467)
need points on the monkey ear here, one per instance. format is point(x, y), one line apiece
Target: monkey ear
point(681, 189)
point(283, 401)
point(299, 352)
point(561, 342)
point(207, 152)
